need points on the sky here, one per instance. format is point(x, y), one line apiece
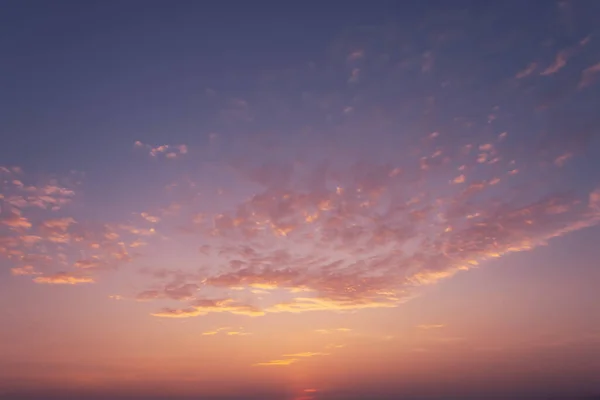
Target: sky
point(299, 200)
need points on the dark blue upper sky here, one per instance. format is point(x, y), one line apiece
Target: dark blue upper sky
point(84, 77)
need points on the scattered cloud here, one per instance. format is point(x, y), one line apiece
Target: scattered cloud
point(332, 224)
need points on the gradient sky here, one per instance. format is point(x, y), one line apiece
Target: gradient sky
point(299, 200)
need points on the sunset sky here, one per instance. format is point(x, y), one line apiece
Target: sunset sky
point(299, 200)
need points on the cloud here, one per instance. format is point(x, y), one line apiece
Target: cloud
point(227, 331)
point(275, 363)
point(306, 354)
point(291, 358)
point(166, 150)
point(238, 333)
point(214, 332)
point(530, 69)
point(26, 270)
point(560, 61)
point(16, 222)
point(150, 218)
point(89, 263)
point(63, 278)
point(60, 224)
point(329, 331)
point(431, 326)
point(562, 159)
point(304, 304)
point(174, 290)
point(205, 306)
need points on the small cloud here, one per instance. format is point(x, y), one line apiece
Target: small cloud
point(150, 218)
point(356, 55)
point(431, 326)
point(562, 159)
point(26, 270)
point(306, 354)
point(59, 224)
point(116, 297)
point(273, 363)
point(137, 243)
point(88, 263)
point(214, 332)
point(169, 151)
point(559, 63)
point(527, 71)
point(459, 179)
point(238, 333)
